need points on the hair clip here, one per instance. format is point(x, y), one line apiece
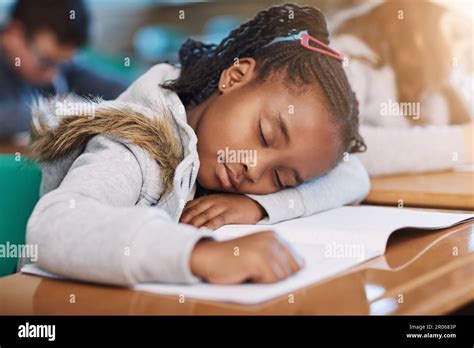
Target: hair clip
point(305, 38)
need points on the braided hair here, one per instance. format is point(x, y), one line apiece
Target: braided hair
point(202, 64)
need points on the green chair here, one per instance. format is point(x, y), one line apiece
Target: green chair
point(19, 191)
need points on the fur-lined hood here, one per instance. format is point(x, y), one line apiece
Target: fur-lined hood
point(62, 125)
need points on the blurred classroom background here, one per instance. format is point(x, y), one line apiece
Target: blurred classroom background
point(146, 32)
point(426, 61)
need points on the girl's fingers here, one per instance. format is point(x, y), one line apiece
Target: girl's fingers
point(281, 265)
point(268, 272)
point(290, 259)
point(193, 202)
point(295, 259)
point(206, 216)
point(191, 211)
point(216, 222)
point(277, 267)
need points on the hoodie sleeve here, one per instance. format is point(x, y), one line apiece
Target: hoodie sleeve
point(90, 229)
point(348, 183)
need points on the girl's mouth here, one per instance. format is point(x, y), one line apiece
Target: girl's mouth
point(224, 177)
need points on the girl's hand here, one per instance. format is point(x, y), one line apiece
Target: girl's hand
point(214, 210)
point(260, 257)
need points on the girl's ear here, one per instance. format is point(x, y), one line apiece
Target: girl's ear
point(240, 73)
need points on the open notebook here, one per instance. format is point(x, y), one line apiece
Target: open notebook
point(331, 242)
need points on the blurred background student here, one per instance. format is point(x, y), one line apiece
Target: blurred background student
point(410, 64)
point(37, 47)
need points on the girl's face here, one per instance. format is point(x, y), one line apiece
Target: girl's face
point(259, 137)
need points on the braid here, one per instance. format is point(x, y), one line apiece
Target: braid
point(202, 64)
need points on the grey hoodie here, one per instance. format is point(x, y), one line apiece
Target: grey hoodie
point(103, 215)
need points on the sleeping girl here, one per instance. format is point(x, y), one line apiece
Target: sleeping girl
point(131, 192)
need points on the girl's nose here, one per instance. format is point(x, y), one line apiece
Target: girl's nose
point(254, 173)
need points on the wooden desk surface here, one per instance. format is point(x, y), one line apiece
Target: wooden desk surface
point(451, 189)
point(420, 273)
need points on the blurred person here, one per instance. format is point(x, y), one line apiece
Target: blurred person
point(37, 46)
point(405, 62)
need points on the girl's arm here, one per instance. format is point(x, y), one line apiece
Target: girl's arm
point(346, 184)
point(90, 229)
point(416, 149)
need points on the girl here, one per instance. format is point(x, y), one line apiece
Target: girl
point(115, 183)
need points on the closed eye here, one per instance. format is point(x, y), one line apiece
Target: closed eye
point(260, 132)
point(278, 182)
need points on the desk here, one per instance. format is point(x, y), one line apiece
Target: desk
point(451, 189)
point(420, 273)
point(7, 146)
